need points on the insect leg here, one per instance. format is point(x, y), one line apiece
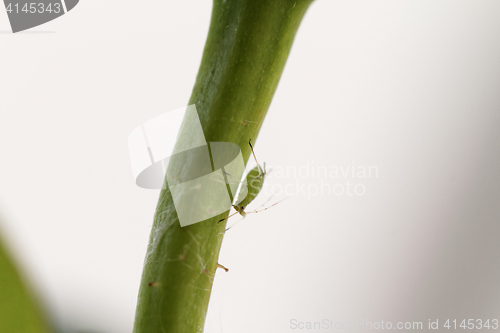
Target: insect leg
point(253, 153)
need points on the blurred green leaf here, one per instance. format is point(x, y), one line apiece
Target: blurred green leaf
point(19, 312)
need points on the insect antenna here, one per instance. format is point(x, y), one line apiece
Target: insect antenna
point(257, 211)
point(261, 210)
point(227, 217)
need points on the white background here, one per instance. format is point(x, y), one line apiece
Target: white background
point(411, 87)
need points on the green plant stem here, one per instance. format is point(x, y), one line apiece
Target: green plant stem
point(245, 53)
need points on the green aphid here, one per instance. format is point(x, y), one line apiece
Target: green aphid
point(254, 182)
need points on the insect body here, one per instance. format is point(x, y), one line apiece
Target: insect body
point(254, 182)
